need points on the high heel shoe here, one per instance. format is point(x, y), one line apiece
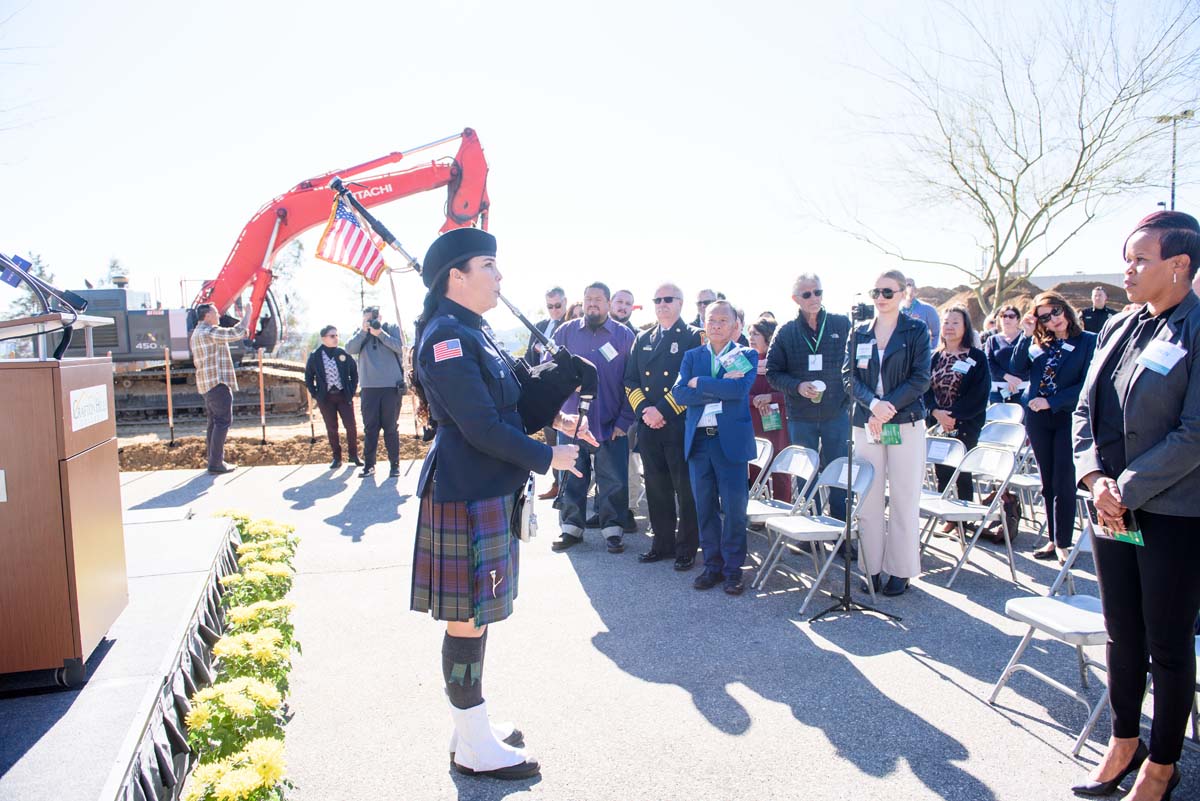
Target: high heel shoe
point(1091, 788)
point(1176, 778)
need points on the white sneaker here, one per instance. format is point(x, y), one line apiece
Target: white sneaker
point(479, 752)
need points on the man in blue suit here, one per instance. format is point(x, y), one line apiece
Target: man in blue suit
point(714, 384)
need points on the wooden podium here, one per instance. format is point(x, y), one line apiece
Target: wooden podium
point(62, 546)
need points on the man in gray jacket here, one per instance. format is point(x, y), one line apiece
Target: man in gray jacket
point(380, 351)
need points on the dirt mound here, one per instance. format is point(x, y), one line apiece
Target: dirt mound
point(937, 296)
point(188, 452)
point(1079, 294)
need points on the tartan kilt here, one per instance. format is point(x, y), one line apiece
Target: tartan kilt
point(465, 560)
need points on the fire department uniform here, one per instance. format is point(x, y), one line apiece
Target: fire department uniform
point(650, 372)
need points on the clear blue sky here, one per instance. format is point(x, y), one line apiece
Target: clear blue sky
point(629, 142)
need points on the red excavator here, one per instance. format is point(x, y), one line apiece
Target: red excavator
point(140, 335)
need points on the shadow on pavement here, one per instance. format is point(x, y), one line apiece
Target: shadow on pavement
point(705, 641)
point(191, 490)
point(370, 504)
point(326, 484)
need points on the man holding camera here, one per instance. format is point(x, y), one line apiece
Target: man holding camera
point(380, 351)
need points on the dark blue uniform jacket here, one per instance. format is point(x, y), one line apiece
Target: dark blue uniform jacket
point(481, 450)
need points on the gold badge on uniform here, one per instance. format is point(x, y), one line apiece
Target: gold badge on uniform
point(674, 347)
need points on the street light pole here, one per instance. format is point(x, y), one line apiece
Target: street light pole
point(1174, 119)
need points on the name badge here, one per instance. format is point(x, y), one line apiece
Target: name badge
point(961, 367)
point(713, 408)
point(816, 362)
point(1161, 357)
point(608, 351)
point(864, 350)
point(863, 364)
point(1068, 347)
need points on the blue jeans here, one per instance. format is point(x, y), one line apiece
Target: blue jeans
point(611, 463)
point(718, 483)
point(828, 438)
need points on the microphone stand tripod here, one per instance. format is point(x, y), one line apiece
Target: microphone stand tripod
point(845, 602)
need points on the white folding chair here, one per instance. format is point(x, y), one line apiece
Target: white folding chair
point(1005, 413)
point(1073, 619)
point(763, 452)
point(944, 452)
point(987, 463)
point(818, 529)
point(797, 463)
point(1004, 435)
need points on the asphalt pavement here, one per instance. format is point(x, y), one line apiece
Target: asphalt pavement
point(629, 684)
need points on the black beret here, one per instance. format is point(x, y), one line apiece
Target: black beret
point(455, 247)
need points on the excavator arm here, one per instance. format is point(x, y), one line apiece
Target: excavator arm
point(307, 205)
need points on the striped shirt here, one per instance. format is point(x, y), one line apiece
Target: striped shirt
point(210, 354)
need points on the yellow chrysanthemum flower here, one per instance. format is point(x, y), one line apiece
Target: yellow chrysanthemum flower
point(237, 784)
point(240, 705)
point(266, 758)
point(199, 716)
point(264, 694)
point(205, 695)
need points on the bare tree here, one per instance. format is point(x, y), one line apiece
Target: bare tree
point(1027, 127)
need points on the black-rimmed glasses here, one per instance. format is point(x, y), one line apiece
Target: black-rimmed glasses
point(885, 293)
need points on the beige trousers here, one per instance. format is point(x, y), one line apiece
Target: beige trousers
point(892, 546)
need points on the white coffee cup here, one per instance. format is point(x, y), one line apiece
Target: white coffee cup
point(819, 386)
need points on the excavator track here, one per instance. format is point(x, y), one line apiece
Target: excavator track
point(140, 395)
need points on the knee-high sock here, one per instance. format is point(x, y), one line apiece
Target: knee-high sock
point(462, 668)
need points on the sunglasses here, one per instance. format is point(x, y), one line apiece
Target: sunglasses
point(817, 292)
point(1010, 315)
point(1056, 311)
point(886, 294)
point(665, 299)
point(553, 306)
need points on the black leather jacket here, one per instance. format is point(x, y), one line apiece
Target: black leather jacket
point(905, 370)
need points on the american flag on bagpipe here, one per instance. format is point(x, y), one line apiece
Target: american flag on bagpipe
point(348, 243)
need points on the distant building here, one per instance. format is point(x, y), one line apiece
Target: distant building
point(1044, 282)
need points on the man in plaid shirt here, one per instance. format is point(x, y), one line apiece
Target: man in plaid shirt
point(216, 379)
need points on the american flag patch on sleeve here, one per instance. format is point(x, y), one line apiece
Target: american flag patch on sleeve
point(447, 349)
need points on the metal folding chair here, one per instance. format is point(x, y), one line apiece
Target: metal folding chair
point(814, 530)
point(985, 463)
point(1005, 413)
point(1073, 619)
point(763, 451)
point(940, 451)
point(797, 463)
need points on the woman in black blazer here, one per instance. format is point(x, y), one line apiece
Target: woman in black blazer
point(1136, 429)
point(999, 350)
point(1056, 352)
point(958, 390)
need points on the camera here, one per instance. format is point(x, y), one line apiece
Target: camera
point(862, 311)
point(374, 323)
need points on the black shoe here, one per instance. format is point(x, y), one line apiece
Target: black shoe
point(367, 471)
point(895, 586)
point(683, 563)
point(225, 467)
point(734, 586)
point(876, 584)
point(650, 556)
point(356, 461)
point(394, 472)
point(335, 464)
point(706, 580)
point(614, 544)
point(630, 527)
point(1046, 553)
point(565, 541)
point(529, 767)
point(1109, 787)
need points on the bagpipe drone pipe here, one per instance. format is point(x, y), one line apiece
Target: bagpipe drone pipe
point(545, 387)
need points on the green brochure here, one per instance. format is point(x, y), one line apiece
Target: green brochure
point(891, 434)
point(736, 362)
point(772, 421)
